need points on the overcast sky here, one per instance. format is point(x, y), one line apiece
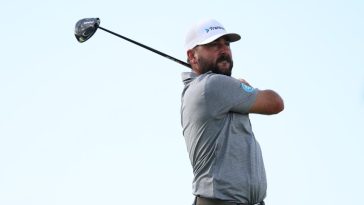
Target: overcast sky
point(99, 122)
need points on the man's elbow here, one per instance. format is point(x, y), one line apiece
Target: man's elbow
point(277, 106)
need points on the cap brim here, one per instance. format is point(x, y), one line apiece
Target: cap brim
point(231, 37)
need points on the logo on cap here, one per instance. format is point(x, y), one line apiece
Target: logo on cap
point(213, 28)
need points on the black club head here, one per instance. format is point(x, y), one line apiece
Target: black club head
point(85, 28)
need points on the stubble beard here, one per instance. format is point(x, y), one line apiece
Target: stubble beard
point(214, 67)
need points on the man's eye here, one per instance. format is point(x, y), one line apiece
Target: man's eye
point(217, 44)
point(213, 44)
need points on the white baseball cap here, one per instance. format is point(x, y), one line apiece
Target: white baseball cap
point(207, 31)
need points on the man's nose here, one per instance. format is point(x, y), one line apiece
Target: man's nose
point(224, 44)
point(224, 48)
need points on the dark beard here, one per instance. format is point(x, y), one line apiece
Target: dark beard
point(213, 66)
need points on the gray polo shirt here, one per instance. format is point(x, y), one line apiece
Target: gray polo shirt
point(225, 156)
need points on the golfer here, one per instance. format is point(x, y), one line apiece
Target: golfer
point(225, 155)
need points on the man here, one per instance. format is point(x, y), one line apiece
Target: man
point(226, 158)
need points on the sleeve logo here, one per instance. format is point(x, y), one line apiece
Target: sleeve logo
point(246, 88)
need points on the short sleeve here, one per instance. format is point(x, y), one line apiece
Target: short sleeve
point(225, 94)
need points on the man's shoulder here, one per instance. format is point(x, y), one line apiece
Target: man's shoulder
point(217, 80)
point(209, 80)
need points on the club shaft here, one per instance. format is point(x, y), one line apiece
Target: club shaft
point(147, 47)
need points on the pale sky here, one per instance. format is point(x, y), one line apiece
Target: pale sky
point(99, 122)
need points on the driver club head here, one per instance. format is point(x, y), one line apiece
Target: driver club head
point(85, 28)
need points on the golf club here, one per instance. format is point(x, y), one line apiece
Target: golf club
point(85, 29)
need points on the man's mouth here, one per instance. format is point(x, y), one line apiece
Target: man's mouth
point(224, 60)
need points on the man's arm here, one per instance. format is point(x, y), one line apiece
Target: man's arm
point(267, 102)
point(223, 94)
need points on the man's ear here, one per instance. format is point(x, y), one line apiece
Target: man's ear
point(191, 56)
